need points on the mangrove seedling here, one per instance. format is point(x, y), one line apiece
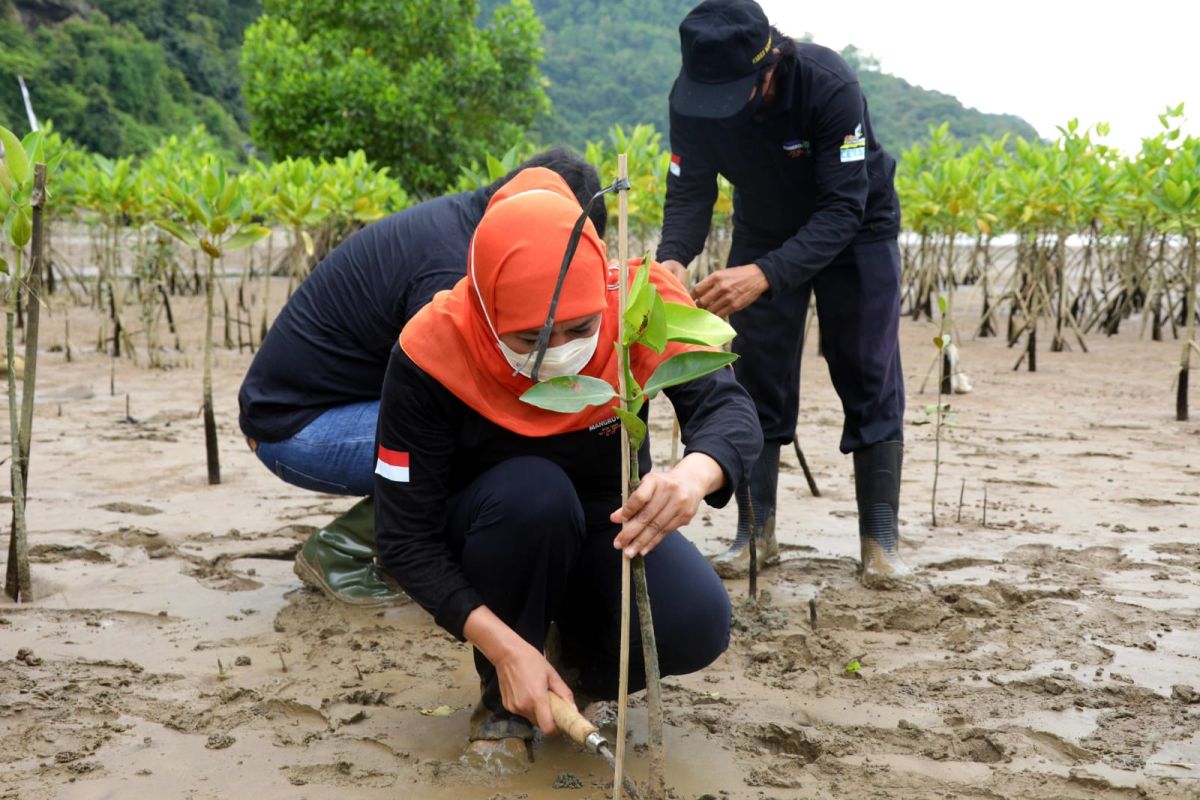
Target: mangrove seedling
point(205, 209)
point(646, 321)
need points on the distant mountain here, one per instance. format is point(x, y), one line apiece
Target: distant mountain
point(613, 61)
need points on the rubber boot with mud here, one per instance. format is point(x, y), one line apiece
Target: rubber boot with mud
point(877, 486)
point(756, 516)
point(498, 742)
point(339, 560)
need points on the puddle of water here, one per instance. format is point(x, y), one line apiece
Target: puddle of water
point(1170, 602)
point(1071, 724)
point(1176, 659)
point(1120, 778)
point(1178, 759)
point(949, 771)
point(127, 625)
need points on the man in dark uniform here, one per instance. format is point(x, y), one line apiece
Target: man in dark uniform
point(310, 400)
point(815, 211)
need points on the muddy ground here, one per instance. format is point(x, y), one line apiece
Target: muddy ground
point(1053, 652)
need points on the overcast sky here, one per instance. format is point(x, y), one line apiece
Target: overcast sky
point(1045, 61)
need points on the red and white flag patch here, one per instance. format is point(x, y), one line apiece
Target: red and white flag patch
point(392, 464)
point(676, 161)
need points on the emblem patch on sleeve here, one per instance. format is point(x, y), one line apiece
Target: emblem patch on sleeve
point(854, 146)
point(392, 464)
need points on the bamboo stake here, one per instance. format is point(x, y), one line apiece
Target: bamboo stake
point(623, 291)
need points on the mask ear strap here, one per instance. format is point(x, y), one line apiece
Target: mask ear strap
point(538, 353)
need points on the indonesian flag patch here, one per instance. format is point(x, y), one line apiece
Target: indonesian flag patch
point(675, 162)
point(392, 464)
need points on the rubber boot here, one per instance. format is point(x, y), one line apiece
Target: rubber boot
point(498, 742)
point(756, 515)
point(877, 486)
point(339, 560)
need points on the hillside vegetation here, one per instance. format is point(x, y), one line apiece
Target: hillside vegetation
point(119, 75)
point(613, 61)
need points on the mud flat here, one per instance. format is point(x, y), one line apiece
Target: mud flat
point(1052, 653)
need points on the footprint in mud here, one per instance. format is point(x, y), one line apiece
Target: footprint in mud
point(121, 507)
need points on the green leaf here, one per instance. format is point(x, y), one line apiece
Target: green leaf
point(35, 146)
point(569, 393)
point(21, 229)
point(179, 232)
point(853, 666)
point(14, 155)
point(634, 425)
point(655, 335)
point(638, 306)
point(696, 326)
point(3, 266)
point(942, 304)
point(246, 236)
point(686, 367)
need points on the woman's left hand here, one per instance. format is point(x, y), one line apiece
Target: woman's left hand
point(665, 501)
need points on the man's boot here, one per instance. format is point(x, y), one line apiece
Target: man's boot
point(877, 485)
point(339, 560)
point(756, 517)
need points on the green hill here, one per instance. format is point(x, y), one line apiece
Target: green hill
point(118, 75)
point(614, 61)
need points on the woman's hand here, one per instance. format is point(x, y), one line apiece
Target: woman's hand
point(524, 673)
point(526, 678)
point(665, 501)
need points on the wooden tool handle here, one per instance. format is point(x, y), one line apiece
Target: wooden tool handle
point(569, 720)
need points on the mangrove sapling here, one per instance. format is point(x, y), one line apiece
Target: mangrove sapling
point(205, 211)
point(22, 199)
point(941, 341)
point(646, 321)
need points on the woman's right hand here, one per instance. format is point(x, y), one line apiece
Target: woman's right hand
point(525, 675)
point(526, 678)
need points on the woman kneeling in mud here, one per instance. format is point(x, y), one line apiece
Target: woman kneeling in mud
point(500, 518)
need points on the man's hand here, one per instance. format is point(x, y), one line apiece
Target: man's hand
point(678, 270)
point(730, 290)
point(665, 501)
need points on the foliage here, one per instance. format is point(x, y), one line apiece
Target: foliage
point(105, 86)
point(613, 62)
point(416, 85)
point(649, 322)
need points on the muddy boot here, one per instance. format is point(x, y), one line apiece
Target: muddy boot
point(756, 515)
point(339, 560)
point(499, 742)
point(877, 486)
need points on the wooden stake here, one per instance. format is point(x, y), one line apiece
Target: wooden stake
point(623, 291)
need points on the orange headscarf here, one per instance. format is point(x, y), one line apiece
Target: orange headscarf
point(512, 266)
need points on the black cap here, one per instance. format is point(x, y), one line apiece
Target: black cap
point(725, 44)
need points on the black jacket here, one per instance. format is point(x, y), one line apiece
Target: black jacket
point(809, 177)
point(329, 345)
point(449, 444)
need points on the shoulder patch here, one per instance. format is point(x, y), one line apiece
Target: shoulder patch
point(854, 146)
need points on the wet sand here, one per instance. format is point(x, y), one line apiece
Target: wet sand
point(1052, 653)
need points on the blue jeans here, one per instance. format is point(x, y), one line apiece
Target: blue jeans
point(334, 454)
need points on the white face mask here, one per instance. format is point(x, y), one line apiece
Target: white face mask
point(566, 359)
